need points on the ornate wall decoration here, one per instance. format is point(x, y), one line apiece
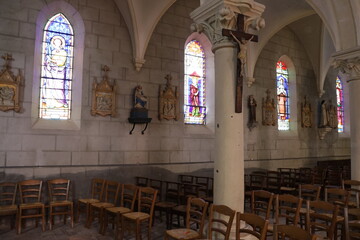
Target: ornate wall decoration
point(103, 96)
point(268, 110)
point(306, 114)
point(168, 100)
point(9, 87)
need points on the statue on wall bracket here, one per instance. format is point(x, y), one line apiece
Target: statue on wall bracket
point(328, 118)
point(104, 96)
point(252, 112)
point(306, 114)
point(268, 110)
point(168, 100)
point(9, 87)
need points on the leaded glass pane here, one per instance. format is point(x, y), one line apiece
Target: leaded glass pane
point(56, 69)
point(194, 84)
point(340, 105)
point(283, 106)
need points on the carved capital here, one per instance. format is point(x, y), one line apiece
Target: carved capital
point(349, 66)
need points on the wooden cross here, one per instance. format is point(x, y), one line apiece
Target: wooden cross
point(240, 35)
point(7, 57)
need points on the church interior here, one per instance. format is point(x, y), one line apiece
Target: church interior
point(221, 91)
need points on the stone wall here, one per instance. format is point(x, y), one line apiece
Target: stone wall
point(268, 148)
point(103, 146)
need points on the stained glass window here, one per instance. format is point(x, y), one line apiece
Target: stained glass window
point(56, 69)
point(194, 84)
point(283, 106)
point(340, 104)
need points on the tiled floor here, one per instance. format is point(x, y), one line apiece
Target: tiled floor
point(65, 232)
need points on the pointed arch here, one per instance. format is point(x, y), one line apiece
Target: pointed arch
point(283, 96)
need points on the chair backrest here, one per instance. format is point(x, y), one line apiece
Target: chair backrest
point(309, 192)
point(58, 189)
point(195, 214)
point(287, 209)
point(321, 216)
point(128, 196)
point(157, 184)
point(305, 176)
point(142, 181)
point(258, 225)
point(292, 232)
point(257, 180)
point(352, 227)
point(183, 178)
point(220, 221)
point(146, 201)
point(7, 193)
point(337, 196)
point(273, 181)
point(353, 187)
point(97, 188)
point(112, 189)
point(172, 192)
point(30, 191)
point(261, 203)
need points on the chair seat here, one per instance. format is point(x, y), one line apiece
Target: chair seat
point(183, 233)
point(8, 209)
point(118, 210)
point(303, 211)
point(102, 205)
point(136, 215)
point(288, 189)
point(60, 203)
point(165, 204)
point(180, 208)
point(31, 205)
point(338, 218)
point(89, 200)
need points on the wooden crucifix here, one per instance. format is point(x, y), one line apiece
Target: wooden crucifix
point(242, 38)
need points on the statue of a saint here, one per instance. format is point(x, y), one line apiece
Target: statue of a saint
point(252, 112)
point(140, 99)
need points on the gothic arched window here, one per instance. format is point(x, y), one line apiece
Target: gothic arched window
point(283, 100)
point(194, 84)
point(56, 69)
point(340, 104)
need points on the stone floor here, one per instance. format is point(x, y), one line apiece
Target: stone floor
point(65, 232)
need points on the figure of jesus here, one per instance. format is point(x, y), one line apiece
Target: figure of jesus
point(243, 45)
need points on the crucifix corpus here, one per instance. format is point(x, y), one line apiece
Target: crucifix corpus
point(242, 38)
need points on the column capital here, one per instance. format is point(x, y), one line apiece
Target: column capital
point(348, 62)
point(214, 15)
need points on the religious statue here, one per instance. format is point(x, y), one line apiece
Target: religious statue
point(168, 100)
point(324, 114)
point(9, 87)
point(140, 109)
point(140, 99)
point(332, 113)
point(268, 110)
point(306, 114)
point(103, 96)
point(243, 45)
point(252, 112)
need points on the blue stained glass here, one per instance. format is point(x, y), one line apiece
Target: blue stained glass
point(56, 69)
point(283, 99)
point(340, 105)
point(194, 84)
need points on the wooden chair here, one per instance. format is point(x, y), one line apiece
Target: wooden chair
point(7, 201)
point(142, 181)
point(352, 224)
point(273, 182)
point(287, 211)
point(59, 200)
point(220, 221)
point(257, 181)
point(31, 205)
point(111, 196)
point(195, 217)
point(172, 199)
point(292, 232)
point(146, 204)
point(258, 225)
point(353, 187)
point(307, 192)
point(321, 217)
point(128, 196)
point(183, 178)
point(262, 203)
point(97, 190)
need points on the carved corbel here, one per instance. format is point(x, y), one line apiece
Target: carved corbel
point(350, 67)
point(139, 63)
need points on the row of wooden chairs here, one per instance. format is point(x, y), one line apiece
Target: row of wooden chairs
point(31, 205)
point(220, 222)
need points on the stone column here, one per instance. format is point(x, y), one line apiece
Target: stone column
point(348, 62)
point(210, 18)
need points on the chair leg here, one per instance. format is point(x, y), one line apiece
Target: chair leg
point(43, 218)
point(51, 218)
point(137, 230)
point(72, 214)
point(19, 222)
point(149, 230)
